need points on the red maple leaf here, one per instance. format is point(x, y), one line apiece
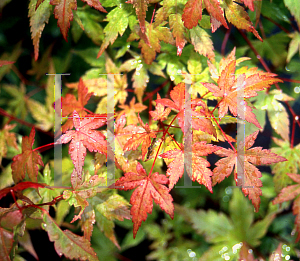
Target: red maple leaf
point(27, 161)
point(200, 119)
point(230, 84)
point(84, 137)
point(250, 4)
point(70, 103)
point(21, 186)
point(64, 15)
point(147, 188)
point(289, 193)
point(256, 156)
point(139, 135)
point(200, 171)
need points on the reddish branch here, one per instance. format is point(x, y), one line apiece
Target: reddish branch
point(4, 113)
point(225, 40)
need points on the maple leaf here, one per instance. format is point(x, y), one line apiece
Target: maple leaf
point(294, 8)
point(147, 188)
point(294, 46)
point(160, 112)
point(237, 15)
point(178, 31)
point(141, 7)
point(63, 13)
point(68, 243)
point(131, 110)
point(112, 207)
point(200, 119)
point(200, 171)
point(229, 84)
point(289, 193)
point(69, 104)
point(39, 14)
point(151, 44)
point(250, 4)
point(96, 4)
point(27, 161)
point(192, 12)
point(84, 137)
point(202, 42)
point(251, 175)
point(139, 135)
point(216, 12)
point(118, 20)
point(44, 114)
point(280, 169)
point(7, 139)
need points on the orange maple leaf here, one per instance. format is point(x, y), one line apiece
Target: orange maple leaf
point(231, 84)
point(200, 171)
point(147, 188)
point(131, 110)
point(139, 135)
point(27, 161)
point(200, 119)
point(256, 156)
point(70, 103)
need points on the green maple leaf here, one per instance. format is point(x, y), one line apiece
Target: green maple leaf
point(38, 18)
point(237, 15)
point(294, 46)
point(294, 7)
point(292, 165)
point(118, 19)
point(202, 42)
point(276, 112)
point(44, 113)
point(222, 230)
point(67, 243)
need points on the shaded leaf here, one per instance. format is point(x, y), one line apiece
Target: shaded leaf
point(27, 161)
point(39, 14)
point(64, 15)
point(7, 139)
point(67, 243)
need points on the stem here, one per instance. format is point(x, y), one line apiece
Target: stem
point(262, 29)
point(289, 80)
point(153, 13)
point(293, 132)
point(223, 133)
point(216, 106)
point(164, 134)
point(4, 113)
point(51, 202)
point(280, 26)
point(150, 94)
point(43, 148)
point(225, 40)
